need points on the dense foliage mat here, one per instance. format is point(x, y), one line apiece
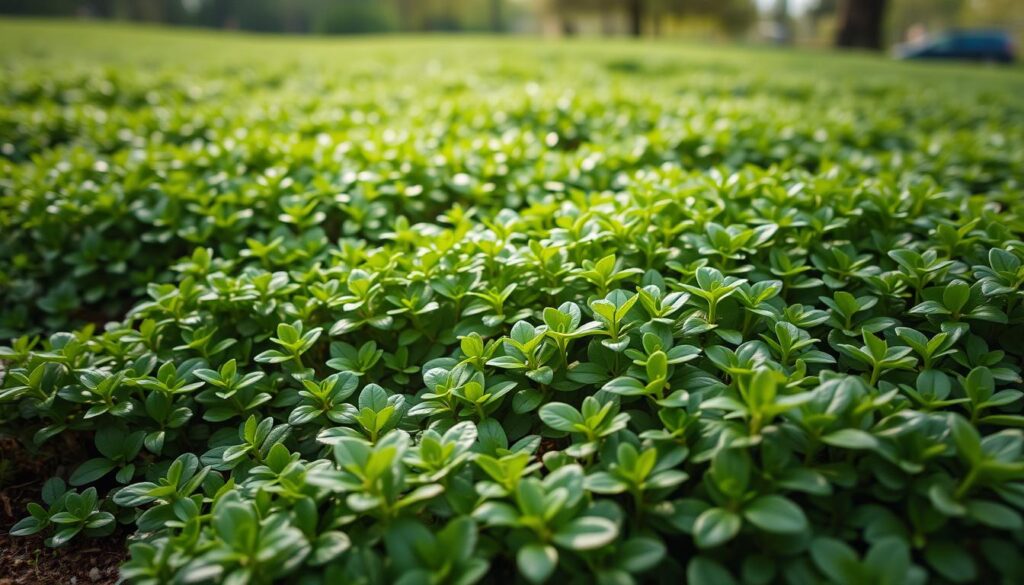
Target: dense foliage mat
point(419, 312)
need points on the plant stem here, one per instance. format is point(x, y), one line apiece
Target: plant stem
point(967, 483)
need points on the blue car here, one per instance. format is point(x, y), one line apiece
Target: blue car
point(974, 45)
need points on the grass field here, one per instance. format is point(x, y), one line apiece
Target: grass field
point(471, 309)
point(35, 43)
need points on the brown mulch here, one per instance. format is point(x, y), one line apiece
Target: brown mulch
point(26, 560)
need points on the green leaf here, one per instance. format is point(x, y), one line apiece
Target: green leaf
point(979, 385)
point(730, 469)
point(716, 526)
point(836, 560)
point(966, 439)
point(889, 559)
point(762, 389)
point(640, 554)
point(560, 416)
point(956, 295)
point(586, 533)
point(995, 515)
point(704, 571)
point(605, 483)
point(328, 546)
point(951, 561)
point(53, 489)
point(63, 535)
point(26, 526)
point(850, 439)
point(775, 514)
point(91, 470)
point(625, 386)
point(526, 400)
point(536, 562)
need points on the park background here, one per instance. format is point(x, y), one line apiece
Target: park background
point(865, 24)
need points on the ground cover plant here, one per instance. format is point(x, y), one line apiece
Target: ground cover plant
point(431, 311)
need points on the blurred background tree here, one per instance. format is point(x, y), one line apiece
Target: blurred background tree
point(860, 23)
point(867, 24)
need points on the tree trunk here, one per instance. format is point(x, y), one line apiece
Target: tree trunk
point(497, 19)
point(224, 14)
point(408, 17)
point(782, 21)
point(636, 17)
point(860, 24)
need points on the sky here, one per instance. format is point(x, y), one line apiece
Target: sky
point(795, 6)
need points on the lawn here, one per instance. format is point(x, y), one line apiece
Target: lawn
point(468, 309)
